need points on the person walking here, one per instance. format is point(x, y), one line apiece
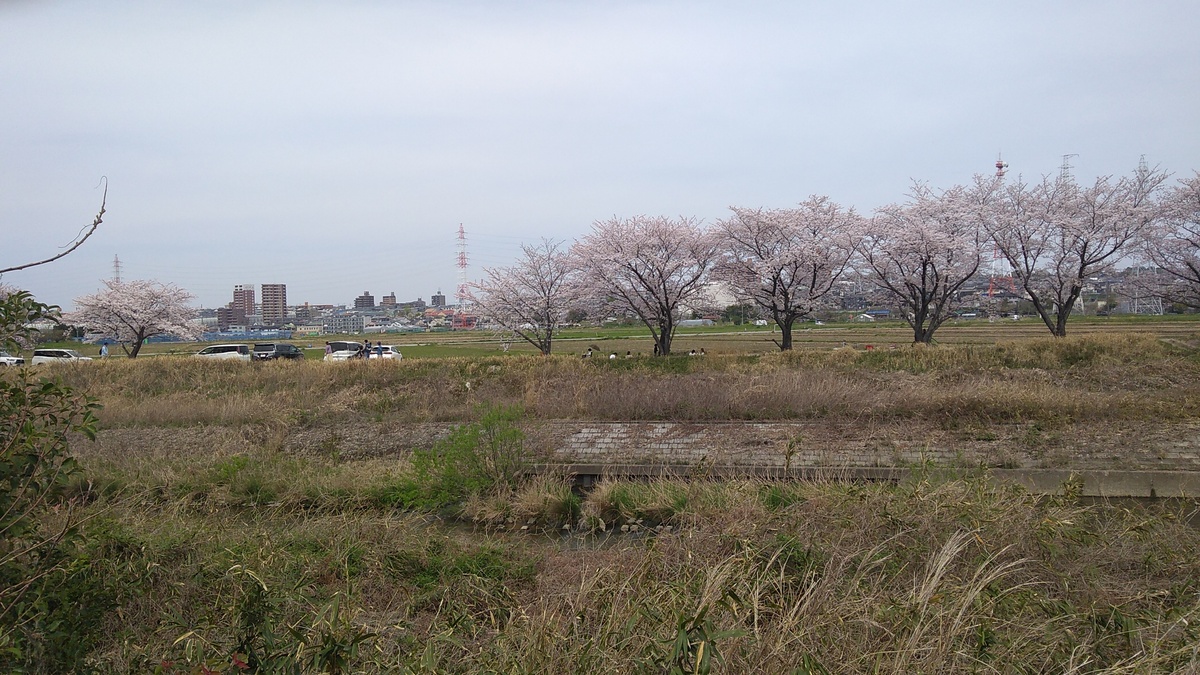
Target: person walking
point(104, 350)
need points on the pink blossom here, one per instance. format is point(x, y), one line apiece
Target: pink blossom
point(787, 260)
point(652, 267)
point(532, 297)
point(1172, 243)
point(132, 311)
point(923, 252)
point(1055, 234)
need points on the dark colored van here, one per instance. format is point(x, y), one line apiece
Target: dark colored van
point(265, 351)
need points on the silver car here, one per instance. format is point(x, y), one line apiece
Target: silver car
point(7, 359)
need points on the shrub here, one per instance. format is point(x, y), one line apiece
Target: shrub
point(45, 597)
point(473, 459)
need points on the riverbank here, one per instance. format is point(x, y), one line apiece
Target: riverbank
point(382, 518)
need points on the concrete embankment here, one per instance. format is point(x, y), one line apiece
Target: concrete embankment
point(1104, 460)
point(1118, 459)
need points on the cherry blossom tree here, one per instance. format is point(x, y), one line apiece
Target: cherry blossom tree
point(1055, 234)
point(923, 252)
point(650, 266)
point(786, 261)
point(1172, 243)
point(531, 298)
point(133, 311)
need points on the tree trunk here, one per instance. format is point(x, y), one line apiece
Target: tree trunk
point(1051, 323)
point(662, 341)
point(922, 332)
point(1040, 308)
point(785, 334)
point(1060, 324)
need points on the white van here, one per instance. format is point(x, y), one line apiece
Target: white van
point(57, 356)
point(238, 352)
point(340, 350)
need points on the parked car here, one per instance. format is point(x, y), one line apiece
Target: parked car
point(266, 351)
point(341, 351)
point(239, 352)
point(41, 356)
point(7, 359)
point(388, 352)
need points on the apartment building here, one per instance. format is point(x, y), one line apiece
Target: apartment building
point(274, 304)
point(243, 304)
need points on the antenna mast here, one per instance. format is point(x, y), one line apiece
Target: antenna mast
point(1145, 300)
point(1064, 171)
point(116, 269)
point(1000, 277)
point(462, 266)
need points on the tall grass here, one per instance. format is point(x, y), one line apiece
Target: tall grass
point(208, 545)
point(1114, 377)
point(930, 577)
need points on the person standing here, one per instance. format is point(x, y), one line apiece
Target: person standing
point(103, 350)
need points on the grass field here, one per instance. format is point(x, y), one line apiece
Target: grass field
point(1115, 376)
point(207, 562)
point(725, 338)
point(207, 546)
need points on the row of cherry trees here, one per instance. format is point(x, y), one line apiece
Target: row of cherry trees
point(1054, 234)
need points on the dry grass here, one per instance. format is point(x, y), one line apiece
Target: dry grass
point(927, 576)
point(930, 577)
point(1113, 377)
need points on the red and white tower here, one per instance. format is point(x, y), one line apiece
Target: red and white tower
point(1000, 277)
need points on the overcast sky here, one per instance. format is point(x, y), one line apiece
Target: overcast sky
point(336, 147)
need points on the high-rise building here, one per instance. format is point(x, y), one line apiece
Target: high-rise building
point(274, 303)
point(438, 299)
point(365, 301)
point(388, 300)
point(243, 304)
point(226, 317)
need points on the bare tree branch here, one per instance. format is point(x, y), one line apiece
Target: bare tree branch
point(87, 232)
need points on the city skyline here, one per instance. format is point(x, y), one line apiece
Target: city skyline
point(246, 299)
